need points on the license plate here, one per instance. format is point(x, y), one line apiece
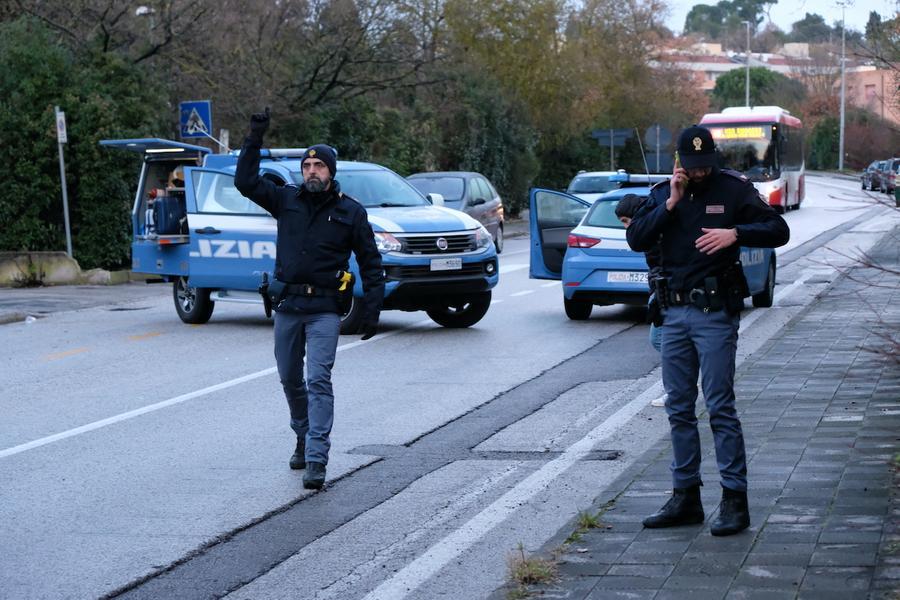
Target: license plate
point(446, 264)
point(627, 276)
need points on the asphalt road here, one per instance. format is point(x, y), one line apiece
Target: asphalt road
point(146, 458)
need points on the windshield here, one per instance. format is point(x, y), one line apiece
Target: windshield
point(375, 188)
point(591, 184)
point(748, 149)
point(451, 188)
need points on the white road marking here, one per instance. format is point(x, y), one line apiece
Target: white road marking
point(552, 284)
point(412, 576)
point(781, 294)
point(493, 302)
point(522, 293)
point(513, 267)
point(56, 437)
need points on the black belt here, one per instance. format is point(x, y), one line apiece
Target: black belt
point(306, 289)
point(685, 297)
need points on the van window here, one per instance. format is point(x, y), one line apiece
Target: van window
point(216, 193)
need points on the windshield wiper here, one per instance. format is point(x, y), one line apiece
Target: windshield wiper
point(391, 204)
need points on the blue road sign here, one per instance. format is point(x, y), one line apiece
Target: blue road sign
point(196, 119)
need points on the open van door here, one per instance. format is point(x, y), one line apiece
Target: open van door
point(552, 216)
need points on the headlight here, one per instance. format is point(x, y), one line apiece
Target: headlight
point(482, 237)
point(386, 242)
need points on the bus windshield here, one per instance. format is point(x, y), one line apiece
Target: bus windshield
point(748, 149)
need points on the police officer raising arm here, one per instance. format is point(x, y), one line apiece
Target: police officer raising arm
point(700, 218)
point(318, 227)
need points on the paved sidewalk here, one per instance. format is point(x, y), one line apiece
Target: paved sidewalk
point(821, 420)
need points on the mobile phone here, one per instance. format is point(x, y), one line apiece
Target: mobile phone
point(677, 160)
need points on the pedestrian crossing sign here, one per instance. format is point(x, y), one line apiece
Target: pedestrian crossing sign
point(195, 118)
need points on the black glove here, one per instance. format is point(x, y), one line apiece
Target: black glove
point(369, 328)
point(259, 123)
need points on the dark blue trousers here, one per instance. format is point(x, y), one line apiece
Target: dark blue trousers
point(706, 343)
point(313, 337)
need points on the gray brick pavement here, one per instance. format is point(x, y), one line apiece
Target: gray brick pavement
point(821, 418)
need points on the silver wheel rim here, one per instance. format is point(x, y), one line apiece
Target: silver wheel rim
point(187, 296)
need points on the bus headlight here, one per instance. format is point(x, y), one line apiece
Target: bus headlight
point(386, 242)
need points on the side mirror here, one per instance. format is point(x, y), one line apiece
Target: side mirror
point(435, 198)
point(478, 201)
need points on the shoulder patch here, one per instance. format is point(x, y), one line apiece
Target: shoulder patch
point(735, 174)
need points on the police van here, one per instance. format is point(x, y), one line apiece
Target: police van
point(192, 227)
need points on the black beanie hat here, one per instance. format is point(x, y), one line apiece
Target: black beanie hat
point(628, 205)
point(324, 153)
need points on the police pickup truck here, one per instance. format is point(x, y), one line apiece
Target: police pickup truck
point(192, 227)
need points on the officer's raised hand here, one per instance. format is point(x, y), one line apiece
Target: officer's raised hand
point(259, 123)
point(369, 328)
point(677, 184)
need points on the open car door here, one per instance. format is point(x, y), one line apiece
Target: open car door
point(552, 216)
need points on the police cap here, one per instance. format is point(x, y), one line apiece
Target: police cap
point(696, 148)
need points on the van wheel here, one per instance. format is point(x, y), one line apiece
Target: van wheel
point(765, 298)
point(352, 320)
point(192, 304)
point(462, 313)
point(578, 310)
point(498, 239)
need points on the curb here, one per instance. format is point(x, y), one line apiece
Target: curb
point(12, 317)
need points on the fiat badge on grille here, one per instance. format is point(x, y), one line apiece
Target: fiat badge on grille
point(442, 244)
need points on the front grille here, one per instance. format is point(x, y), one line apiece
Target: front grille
point(420, 271)
point(428, 244)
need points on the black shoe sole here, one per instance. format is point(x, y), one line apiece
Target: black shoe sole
point(313, 485)
point(298, 466)
point(698, 520)
point(730, 531)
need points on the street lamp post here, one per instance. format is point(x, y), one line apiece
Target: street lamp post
point(747, 68)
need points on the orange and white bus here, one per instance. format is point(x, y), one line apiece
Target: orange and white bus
point(765, 143)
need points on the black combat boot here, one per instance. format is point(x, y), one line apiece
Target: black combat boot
point(314, 478)
point(683, 508)
point(298, 458)
point(734, 514)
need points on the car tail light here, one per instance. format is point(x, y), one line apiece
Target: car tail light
point(581, 241)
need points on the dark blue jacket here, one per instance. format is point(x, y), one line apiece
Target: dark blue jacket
point(726, 200)
point(316, 233)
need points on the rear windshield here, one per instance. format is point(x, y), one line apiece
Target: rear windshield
point(451, 188)
point(591, 184)
point(603, 214)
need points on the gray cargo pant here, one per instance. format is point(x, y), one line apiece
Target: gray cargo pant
point(695, 341)
point(311, 400)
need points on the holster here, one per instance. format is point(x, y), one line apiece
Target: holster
point(734, 282)
point(264, 292)
point(276, 293)
point(654, 311)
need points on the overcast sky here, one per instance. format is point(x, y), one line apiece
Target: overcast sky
point(786, 12)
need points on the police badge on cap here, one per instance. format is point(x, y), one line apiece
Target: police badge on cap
point(696, 148)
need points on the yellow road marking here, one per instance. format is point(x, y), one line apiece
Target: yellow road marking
point(144, 336)
point(58, 355)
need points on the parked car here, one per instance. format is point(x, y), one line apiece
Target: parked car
point(888, 175)
point(214, 245)
point(583, 244)
point(469, 192)
point(590, 185)
point(867, 178)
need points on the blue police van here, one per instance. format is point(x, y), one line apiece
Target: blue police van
point(582, 243)
point(192, 227)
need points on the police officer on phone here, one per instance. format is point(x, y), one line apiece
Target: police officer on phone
point(700, 218)
point(318, 227)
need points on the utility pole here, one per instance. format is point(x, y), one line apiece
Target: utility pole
point(843, 4)
point(747, 68)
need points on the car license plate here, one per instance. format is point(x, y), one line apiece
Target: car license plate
point(446, 264)
point(627, 276)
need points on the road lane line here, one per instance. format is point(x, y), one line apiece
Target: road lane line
point(522, 293)
point(65, 354)
point(408, 579)
point(552, 284)
point(143, 336)
point(56, 437)
point(512, 267)
point(493, 302)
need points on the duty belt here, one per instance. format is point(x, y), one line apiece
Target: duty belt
point(306, 289)
point(684, 297)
